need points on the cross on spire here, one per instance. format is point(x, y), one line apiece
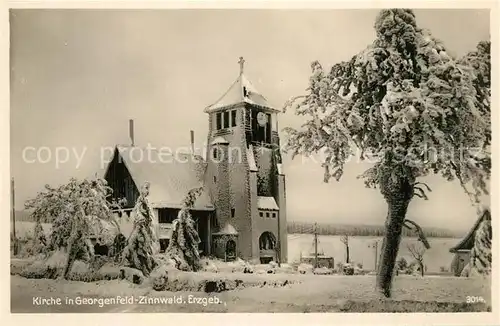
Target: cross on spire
point(242, 64)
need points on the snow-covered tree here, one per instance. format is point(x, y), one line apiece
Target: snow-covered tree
point(142, 243)
point(410, 108)
point(75, 210)
point(402, 264)
point(183, 245)
point(480, 262)
point(39, 244)
point(417, 250)
point(480, 61)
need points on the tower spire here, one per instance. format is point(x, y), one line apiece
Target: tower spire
point(242, 65)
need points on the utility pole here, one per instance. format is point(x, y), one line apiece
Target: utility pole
point(13, 197)
point(315, 245)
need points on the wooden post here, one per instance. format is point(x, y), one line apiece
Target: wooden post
point(131, 132)
point(13, 197)
point(315, 245)
point(376, 254)
point(192, 142)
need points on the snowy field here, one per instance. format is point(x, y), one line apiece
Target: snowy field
point(309, 293)
point(362, 250)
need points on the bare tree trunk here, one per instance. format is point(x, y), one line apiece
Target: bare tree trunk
point(390, 245)
point(421, 268)
point(347, 253)
point(72, 249)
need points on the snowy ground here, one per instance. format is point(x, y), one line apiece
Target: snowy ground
point(305, 293)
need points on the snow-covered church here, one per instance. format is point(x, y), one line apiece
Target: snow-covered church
point(242, 211)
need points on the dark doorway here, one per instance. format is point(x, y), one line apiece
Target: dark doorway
point(267, 241)
point(230, 250)
point(163, 244)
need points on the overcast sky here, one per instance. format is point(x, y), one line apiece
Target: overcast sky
point(79, 75)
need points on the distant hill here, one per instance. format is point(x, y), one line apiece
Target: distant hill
point(363, 230)
point(330, 229)
point(22, 216)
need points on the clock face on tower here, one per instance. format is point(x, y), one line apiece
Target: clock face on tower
point(261, 119)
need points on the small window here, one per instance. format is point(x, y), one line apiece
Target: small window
point(215, 153)
point(218, 117)
point(233, 118)
point(215, 179)
point(267, 214)
point(226, 119)
point(232, 212)
point(274, 215)
point(245, 93)
point(261, 214)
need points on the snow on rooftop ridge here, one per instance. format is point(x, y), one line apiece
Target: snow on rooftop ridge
point(241, 91)
point(227, 229)
point(267, 203)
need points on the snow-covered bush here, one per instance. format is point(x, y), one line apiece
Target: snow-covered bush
point(183, 245)
point(75, 210)
point(480, 262)
point(305, 268)
point(209, 266)
point(322, 271)
point(347, 269)
point(53, 267)
point(140, 248)
point(359, 271)
point(285, 269)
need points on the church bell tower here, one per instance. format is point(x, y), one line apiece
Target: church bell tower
point(244, 174)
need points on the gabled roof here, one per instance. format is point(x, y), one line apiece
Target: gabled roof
point(228, 229)
point(170, 176)
point(241, 91)
point(468, 241)
point(267, 203)
point(219, 141)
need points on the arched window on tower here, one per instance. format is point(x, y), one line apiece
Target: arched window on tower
point(267, 241)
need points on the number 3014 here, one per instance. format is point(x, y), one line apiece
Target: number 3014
point(474, 299)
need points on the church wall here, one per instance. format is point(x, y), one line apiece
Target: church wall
point(283, 218)
point(237, 186)
point(264, 161)
point(240, 189)
point(265, 224)
point(254, 213)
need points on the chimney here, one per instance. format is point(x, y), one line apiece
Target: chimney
point(192, 142)
point(131, 132)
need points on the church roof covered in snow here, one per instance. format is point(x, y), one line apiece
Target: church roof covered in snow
point(267, 203)
point(170, 176)
point(241, 91)
point(228, 229)
point(219, 141)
